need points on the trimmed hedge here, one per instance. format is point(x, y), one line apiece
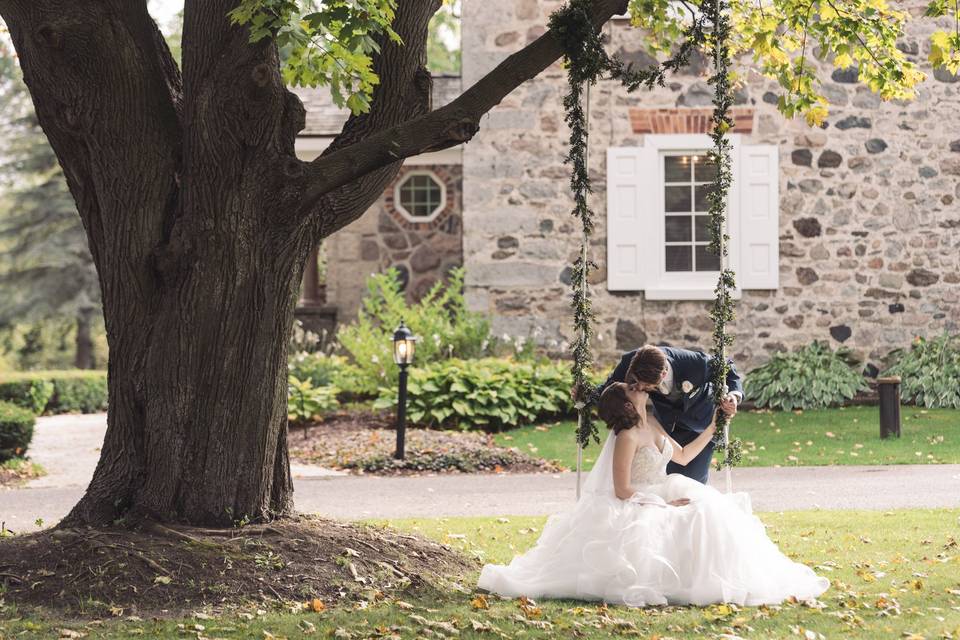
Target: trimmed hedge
point(71, 391)
point(16, 430)
point(32, 394)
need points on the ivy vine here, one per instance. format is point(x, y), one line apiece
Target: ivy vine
point(587, 62)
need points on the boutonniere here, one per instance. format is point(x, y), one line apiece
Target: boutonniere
point(686, 386)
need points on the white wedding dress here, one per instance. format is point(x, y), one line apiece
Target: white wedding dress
point(644, 552)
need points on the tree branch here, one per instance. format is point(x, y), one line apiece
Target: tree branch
point(446, 127)
point(403, 94)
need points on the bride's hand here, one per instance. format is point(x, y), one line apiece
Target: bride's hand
point(679, 502)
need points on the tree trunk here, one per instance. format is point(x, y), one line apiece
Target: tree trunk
point(83, 357)
point(202, 402)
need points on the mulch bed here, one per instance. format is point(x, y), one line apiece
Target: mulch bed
point(162, 570)
point(361, 441)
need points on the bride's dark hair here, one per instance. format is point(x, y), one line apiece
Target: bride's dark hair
point(617, 410)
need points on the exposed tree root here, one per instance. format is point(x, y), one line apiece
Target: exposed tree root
point(159, 569)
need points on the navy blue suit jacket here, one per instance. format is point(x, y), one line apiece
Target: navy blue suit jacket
point(694, 411)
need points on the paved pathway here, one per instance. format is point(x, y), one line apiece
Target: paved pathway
point(68, 448)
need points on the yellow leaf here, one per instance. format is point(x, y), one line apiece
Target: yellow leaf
point(480, 602)
point(317, 605)
point(867, 576)
point(843, 60)
point(816, 115)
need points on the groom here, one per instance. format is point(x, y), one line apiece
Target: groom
point(678, 382)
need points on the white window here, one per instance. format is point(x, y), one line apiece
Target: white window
point(657, 227)
point(420, 196)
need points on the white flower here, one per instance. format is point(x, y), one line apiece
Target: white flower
point(686, 386)
point(374, 359)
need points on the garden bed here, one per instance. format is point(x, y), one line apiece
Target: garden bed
point(363, 441)
point(17, 471)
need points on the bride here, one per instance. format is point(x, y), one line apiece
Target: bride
point(640, 537)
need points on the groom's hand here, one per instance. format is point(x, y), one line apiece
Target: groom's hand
point(729, 404)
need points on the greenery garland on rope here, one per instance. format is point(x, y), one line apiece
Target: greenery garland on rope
point(587, 62)
point(722, 311)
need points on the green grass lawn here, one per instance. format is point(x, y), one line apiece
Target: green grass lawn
point(894, 574)
point(848, 435)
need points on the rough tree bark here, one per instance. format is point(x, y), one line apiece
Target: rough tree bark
point(200, 219)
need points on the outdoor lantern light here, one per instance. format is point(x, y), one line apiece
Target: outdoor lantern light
point(404, 344)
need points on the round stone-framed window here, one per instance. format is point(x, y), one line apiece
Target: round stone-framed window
point(420, 196)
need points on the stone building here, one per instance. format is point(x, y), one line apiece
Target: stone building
point(848, 233)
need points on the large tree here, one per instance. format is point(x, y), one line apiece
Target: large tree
point(200, 216)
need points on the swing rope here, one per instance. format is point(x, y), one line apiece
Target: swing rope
point(582, 408)
point(587, 61)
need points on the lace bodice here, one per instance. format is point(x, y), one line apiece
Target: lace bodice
point(649, 466)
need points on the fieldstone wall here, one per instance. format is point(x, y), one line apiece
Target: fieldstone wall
point(869, 218)
point(423, 252)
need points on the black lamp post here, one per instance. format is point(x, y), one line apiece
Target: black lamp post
point(404, 344)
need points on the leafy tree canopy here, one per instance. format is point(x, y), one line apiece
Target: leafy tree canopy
point(330, 43)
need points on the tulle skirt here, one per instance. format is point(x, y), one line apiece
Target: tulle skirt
point(712, 550)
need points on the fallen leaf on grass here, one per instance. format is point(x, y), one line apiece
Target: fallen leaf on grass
point(529, 607)
point(70, 633)
point(162, 580)
point(717, 612)
point(480, 602)
point(442, 625)
point(316, 605)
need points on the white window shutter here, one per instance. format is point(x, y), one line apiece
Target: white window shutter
point(628, 202)
point(759, 228)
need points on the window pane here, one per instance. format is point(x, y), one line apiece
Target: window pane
point(701, 202)
point(677, 229)
point(706, 261)
point(679, 258)
point(677, 168)
point(420, 195)
point(704, 170)
point(677, 199)
point(702, 229)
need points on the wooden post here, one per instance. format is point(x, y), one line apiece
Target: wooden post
point(889, 389)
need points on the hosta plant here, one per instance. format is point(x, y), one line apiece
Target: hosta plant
point(812, 377)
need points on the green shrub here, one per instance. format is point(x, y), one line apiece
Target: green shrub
point(446, 328)
point(810, 378)
point(31, 394)
point(929, 371)
point(486, 393)
point(70, 391)
point(79, 392)
point(306, 402)
point(16, 430)
point(319, 368)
